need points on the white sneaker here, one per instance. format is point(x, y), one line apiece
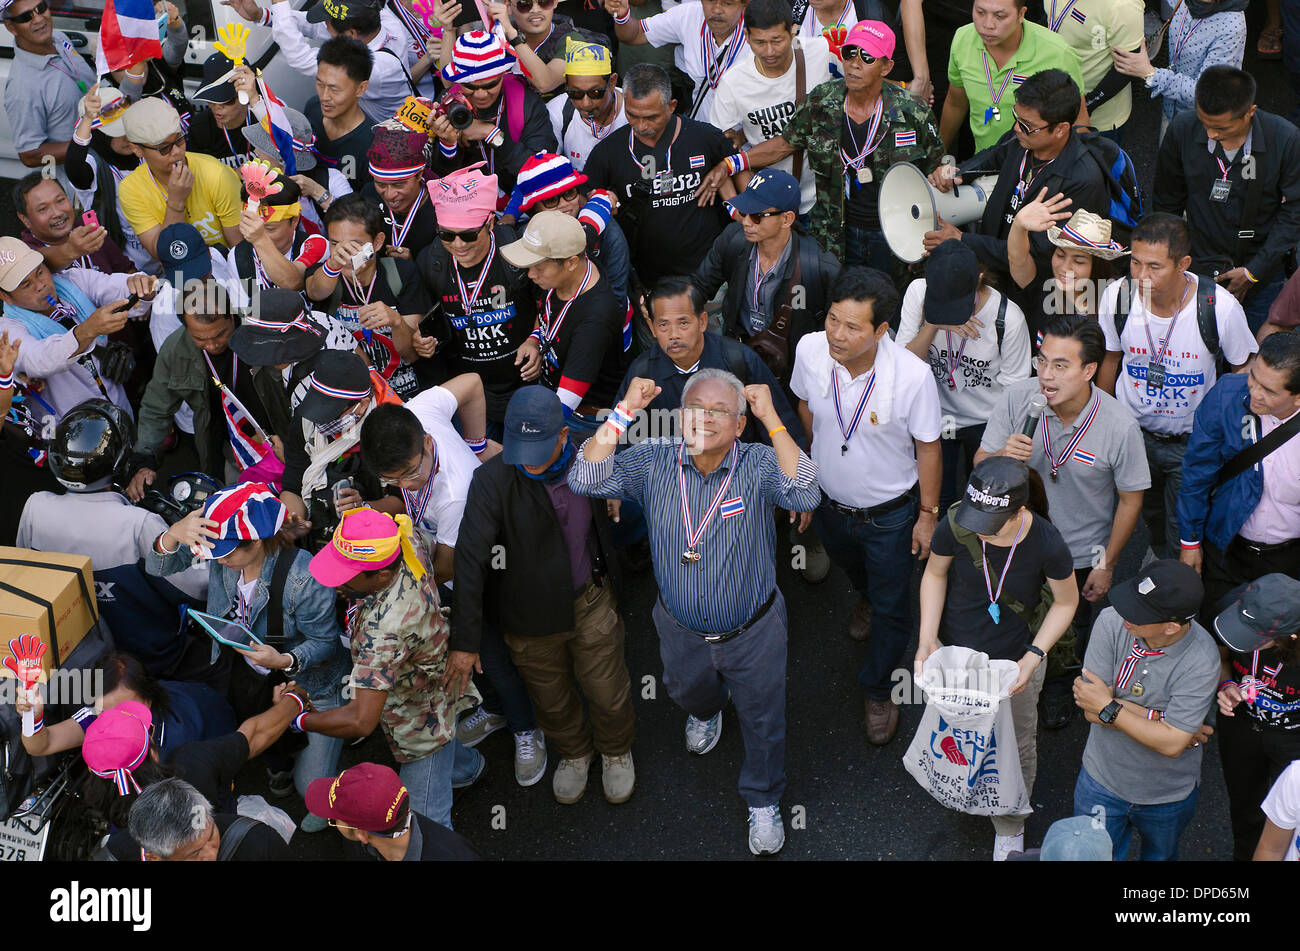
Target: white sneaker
point(478, 726)
point(703, 735)
point(1004, 845)
point(530, 757)
point(766, 830)
point(570, 779)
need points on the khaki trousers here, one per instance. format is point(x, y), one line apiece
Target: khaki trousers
point(1024, 718)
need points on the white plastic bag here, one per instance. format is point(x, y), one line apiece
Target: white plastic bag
point(255, 807)
point(964, 752)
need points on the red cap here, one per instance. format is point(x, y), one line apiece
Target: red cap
point(368, 796)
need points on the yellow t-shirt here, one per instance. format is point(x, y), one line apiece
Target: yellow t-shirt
point(213, 202)
point(1091, 28)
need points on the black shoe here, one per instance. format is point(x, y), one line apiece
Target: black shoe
point(1056, 705)
point(281, 783)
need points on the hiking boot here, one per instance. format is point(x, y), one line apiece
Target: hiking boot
point(882, 721)
point(860, 623)
point(530, 757)
point(766, 830)
point(618, 776)
point(478, 726)
point(570, 779)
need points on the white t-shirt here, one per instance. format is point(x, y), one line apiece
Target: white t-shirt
point(762, 105)
point(847, 17)
point(578, 140)
point(456, 464)
point(684, 25)
point(880, 463)
point(975, 369)
point(1282, 806)
point(1189, 369)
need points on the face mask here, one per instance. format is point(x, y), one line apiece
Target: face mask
point(557, 468)
point(162, 25)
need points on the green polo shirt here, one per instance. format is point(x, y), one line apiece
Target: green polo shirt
point(1040, 49)
point(1091, 28)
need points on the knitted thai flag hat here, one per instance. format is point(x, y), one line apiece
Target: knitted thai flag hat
point(547, 175)
point(477, 56)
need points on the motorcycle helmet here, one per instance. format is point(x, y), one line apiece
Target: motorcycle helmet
point(91, 445)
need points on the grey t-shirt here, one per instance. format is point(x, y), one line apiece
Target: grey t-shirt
point(1181, 683)
point(1110, 456)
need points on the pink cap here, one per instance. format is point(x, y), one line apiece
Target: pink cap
point(117, 743)
point(465, 199)
point(364, 541)
point(875, 38)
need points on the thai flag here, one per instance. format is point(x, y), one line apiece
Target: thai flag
point(904, 138)
point(697, 161)
point(627, 329)
point(249, 443)
point(1018, 79)
point(129, 33)
point(276, 122)
point(1079, 16)
point(1087, 458)
point(732, 507)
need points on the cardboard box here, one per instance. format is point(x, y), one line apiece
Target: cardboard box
point(31, 579)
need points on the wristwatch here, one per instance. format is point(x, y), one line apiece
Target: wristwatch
point(932, 509)
point(519, 40)
point(1109, 712)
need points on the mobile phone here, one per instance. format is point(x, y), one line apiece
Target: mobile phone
point(130, 302)
point(90, 219)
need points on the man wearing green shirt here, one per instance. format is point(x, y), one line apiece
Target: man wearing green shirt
point(997, 52)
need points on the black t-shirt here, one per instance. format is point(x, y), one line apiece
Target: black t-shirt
point(966, 622)
point(423, 231)
point(349, 150)
point(260, 844)
point(863, 208)
point(225, 145)
point(672, 233)
point(1278, 701)
point(587, 356)
point(210, 766)
point(412, 299)
point(434, 842)
point(502, 316)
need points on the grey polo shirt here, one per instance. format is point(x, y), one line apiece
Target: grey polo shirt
point(768, 286)
point(41, 94)
point(1181, 683)
point(1110, 456)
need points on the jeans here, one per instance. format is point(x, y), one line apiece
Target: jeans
point(963, 446)
point(1260, 298)
point(868, 248)
point(1160, 502)
point(876, 554)
point(1161, 825)
point(321, 757)
point(501, 686)
point(429, 780)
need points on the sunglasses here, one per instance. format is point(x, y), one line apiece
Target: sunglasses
point(757, 216)
point(855, 52)
point(41, 7)
point(447, 236)
point(482, 87)
point(1023, 126)
point(595, 95)
point(167, 147)
point(523, 6)
point(549, 204)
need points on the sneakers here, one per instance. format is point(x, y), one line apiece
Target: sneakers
point(618, 777)
point(478, 771)
point(313, 823)
point(530, 756)
point(1004, 845)
point(702, 735)
point(281, 783)
point(478, 726)
point(766, 830)
point(570, 779)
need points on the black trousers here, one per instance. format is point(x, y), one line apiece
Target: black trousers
point(1253, 756)
point(1221, 571)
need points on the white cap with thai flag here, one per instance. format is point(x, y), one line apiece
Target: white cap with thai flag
point(477, 56)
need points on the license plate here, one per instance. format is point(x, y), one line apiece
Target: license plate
point(17, 844)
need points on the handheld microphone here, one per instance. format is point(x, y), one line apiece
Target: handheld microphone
point(1036, 407)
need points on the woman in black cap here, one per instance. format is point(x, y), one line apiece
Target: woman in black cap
point(983, 589)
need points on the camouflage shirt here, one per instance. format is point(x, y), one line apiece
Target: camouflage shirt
point(399, 644)
point(910, 135)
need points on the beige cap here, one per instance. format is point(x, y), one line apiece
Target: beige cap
point(16, 262)
point(1088, 233)
point(151, 121)
point(113, 107)
point(550, 235)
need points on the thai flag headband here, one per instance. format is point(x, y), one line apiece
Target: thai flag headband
point(395, 174)
point(1077, 238)
point(299, 323)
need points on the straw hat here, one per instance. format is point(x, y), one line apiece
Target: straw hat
point(1088, 233)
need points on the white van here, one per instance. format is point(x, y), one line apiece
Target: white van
point(80, 19)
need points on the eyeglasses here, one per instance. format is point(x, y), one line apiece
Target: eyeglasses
point(406, 827)
point(523, 6)
point(595, 95)
point(408, 476)
point(699, 412)
point(757, 216)
point(167, 147)
point(1023, 126)
point(855, 52)
point(41, 7)
point(548, 204)
point(1058, 366)
point(482, 87)
point(447, 236)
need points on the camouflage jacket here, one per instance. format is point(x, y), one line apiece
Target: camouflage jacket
point(816, 127)
point(399, 644)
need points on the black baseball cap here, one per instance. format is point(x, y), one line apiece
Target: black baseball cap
point(1164, 591)
point(534, 418)
point(1259, 613)
point(280, 330)
point(998, 487)
point(340, 379)
point(214, 67)
point(340, 9)
point(184, 254)
point(952, 278)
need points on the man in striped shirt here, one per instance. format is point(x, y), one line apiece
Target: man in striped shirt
point(720, 617)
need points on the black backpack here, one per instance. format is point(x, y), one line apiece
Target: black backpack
point(1206, 322)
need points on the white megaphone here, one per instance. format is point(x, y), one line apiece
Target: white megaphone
point(910, 206)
